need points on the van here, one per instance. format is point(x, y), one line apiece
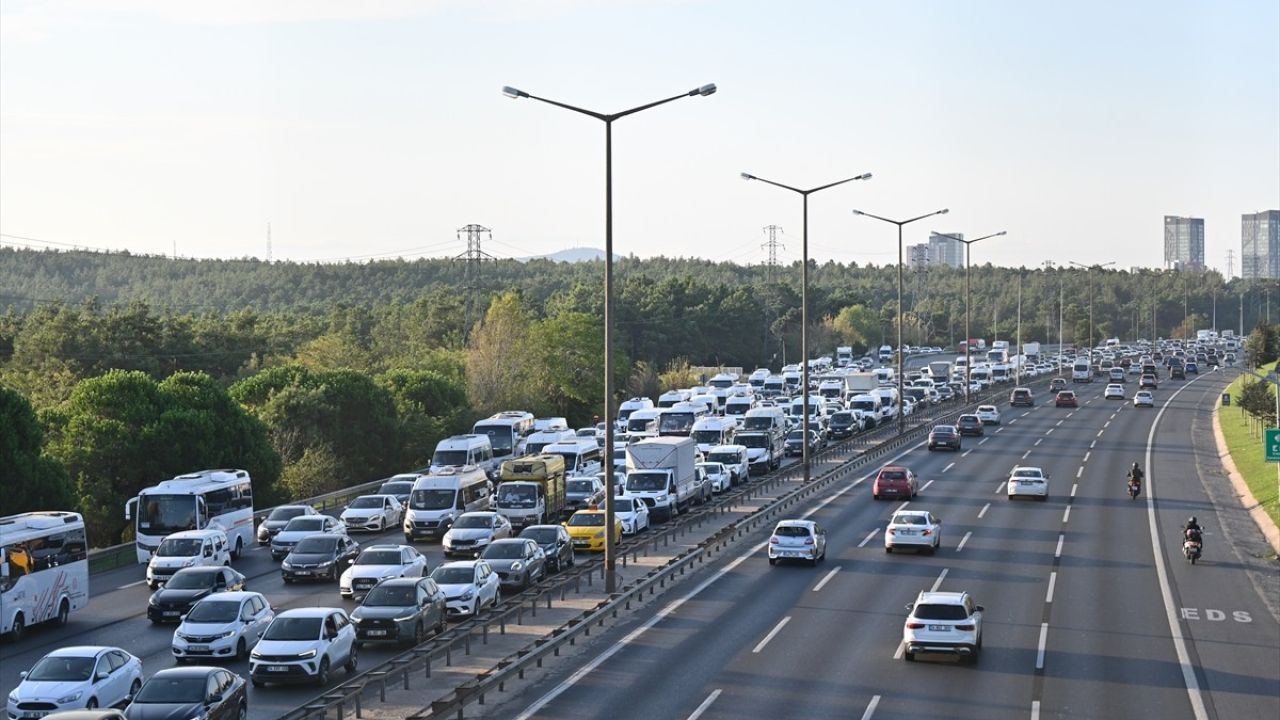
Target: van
point(1081, 372)
point(189, 548)
point(708, 432)
point(629, 406)
point(462, 450)
point(536, 442)
point(671, 397)
point(679, 418)
point(580, 458)
point(643, 422)
point(738, 405)
point(439, 497)
point(773, 386)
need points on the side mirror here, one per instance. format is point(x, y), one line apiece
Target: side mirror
point(979, 608)
point(22, 675)
point(101, 676)
point(909, 606)
point(213, 699)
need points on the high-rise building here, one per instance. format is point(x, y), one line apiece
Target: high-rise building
point(944, 250)
point(918, 256)
point(1260, 245)
point(1183, 243)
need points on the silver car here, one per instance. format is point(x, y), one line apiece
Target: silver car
point(519, 562)
point(472, 532)
point(798, 540)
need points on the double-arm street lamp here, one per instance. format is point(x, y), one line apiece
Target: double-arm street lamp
point(967, 336)
point(1090, 269)
point(804, 302)
point(610, 560)
point(900, 223)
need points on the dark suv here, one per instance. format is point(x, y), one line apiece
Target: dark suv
point(187, 692)
point(843, 424)
point(400, 610)
point(1022, 396)
point(944, 436)
point(555, 542)
point(970, 425)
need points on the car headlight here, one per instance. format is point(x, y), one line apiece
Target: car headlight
point(152, 601)
point(468, 595)
point(286, 565)
point(255, 656)
point(660, 498)
point(599, 534)
point(406, 618)
point(308, 654)
point(70, 698)
point(226, 634)
point(13, 697)
point(517, 566)
point(325, 564)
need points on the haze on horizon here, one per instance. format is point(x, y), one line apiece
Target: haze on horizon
point(377, 129)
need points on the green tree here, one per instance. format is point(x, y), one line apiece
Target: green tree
point(429, 407)
point(1258, 399)
point(498, 367)
point(1262, 345)
point(567, 367)
point(31, 479)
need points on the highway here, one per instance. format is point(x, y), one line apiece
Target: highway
point(1091, 611)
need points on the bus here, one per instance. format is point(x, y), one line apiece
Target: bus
point(209, 498)
point(507, 431)
point(44, 569)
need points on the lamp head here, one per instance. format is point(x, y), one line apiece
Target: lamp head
point(747, 176)
point(1002, 232)
point(863, 176)
point(858, 212)
point(513, 92)
point(708, 89)
point(944, 211)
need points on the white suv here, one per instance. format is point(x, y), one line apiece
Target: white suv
point(943, 622)
point(304, 644)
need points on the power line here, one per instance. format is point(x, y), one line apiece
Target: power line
point(772, 246)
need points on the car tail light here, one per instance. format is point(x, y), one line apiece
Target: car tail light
point(808, 541)
point(892, 531)
point(966, 627)
point(773, 540)
point(926, 531)
point(915, 626)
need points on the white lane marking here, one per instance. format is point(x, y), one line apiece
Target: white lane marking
point(1000, 487)
point(963, 540)
point(983, 511)
point(1025, 454)
point(132, 584)
point(1049, 431)
point(1166, 594)
point(948, 467)
point(870, 535)
point(1044, 636)
point(938, 582)
point(1039, 440)
point(871, 708)
point(1086, 402)
point(1035, 710)
point(1053, 580)
point(897, 654)
point(1086, 456)
point(983, 440)
point(823, 582)
point(1105, 425)
point(1059, 422)
point(1073, 412)
point(705, 704)
point(1013, 421)
point(1099, 434)
point(1092, 443)
point(776, 629)
point(1073, 488)
point(966, 452)
point(1025, 414)
point(1066, 514)
point(926, 485)
point(999, 429)
point(1079, 471)
point(902, 506)
point(1057, 553)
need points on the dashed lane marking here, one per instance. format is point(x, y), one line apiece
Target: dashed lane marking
point(1057, 553)
point(871, 708)
point(1066, 514)
point(949, 466)
point(705, 704)
point(772, 633)
point(1025, 454)
point(1073, 489)
point(1079, 471)
point(823, 582)
point(983, 511)
point(963, 540)
point(1086, 456)
point(966, 452)
point(867, 539)
point(938, 582)
point(1039, 440)
point(1053, 580)
point(926, 486)
point(1044, 637)
point(983, 440)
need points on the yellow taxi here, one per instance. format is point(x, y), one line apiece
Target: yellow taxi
point(586, 528)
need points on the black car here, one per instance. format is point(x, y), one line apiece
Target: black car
point(795, 442)
point(969, 425)
point(944, 436)
point(843, 424)
point(171, 602)
point(322, 556)
point(401, 489)
point(582, 493)
point(556, 545)
point(400, 610)
point(190, 692)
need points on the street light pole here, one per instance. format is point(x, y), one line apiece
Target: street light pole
point(967, 336)
point(1089, 274)
point(610, 553)
point(804, 302)
point(900, 223)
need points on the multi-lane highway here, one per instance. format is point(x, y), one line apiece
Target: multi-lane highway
point(1090, 609)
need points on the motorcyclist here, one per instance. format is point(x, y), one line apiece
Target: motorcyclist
point(1135, 475)
point(1191, 530)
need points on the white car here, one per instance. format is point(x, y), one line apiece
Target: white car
point(1114, 391)
point(988, 414)
point(278, 518)
point(798, 540)
point(718, 474)
point(304, 644)
point(468, 586)
point(735, 458)
point(377, 563)
point(372, 512)
point(300, 527)
point(633, 512)
point(943, 622)
point(1144, 398)
point(225, 626)
point(473, 531)
point(920, 529)
point(83, 676)
point(1028, 481)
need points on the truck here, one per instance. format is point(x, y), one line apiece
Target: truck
point(860, 383)
point(531, 490)
point(1031, 350)
point(662, 472)
point(974, 345)
point(886, 353)
point(941, 371)
point(844, 356)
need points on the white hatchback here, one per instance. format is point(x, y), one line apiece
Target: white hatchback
point(943, 622)
point(1144, 398)
point(226, 625)
point(988, 414)
point(1028, 481)
point(920, 529)
point(798, 540)
point(718, 474)
point(76, 677)
point(1114, 391)
point(468, 586)
point(633, 512)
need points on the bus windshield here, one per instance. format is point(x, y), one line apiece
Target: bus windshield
point(676, 422)
point(166, 514)
point(501, 437)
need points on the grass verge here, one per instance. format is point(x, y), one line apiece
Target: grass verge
point(1246, 452)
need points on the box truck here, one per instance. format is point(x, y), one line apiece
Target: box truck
point(661, 471)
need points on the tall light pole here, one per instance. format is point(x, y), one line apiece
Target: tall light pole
point(1017, 340)
point(967, 336)
point(804, 302)
point(610, 559)
point(901, 418)
point(1089, 271)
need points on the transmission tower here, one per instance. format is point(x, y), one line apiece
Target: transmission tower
point(1231, 263)
point(472, 258)
point(772, 246)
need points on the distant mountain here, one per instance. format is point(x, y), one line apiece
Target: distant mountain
point(573, 255)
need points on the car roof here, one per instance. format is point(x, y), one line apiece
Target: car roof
point(202, 570)
point(589, 511)
point(384, 546)
point(479, 513)
point(397, 582)
point(510, 541)
point(311, 612)
point(540, 527)
point(912, 512)
point(941, 598)
point(796, 523)
point(192, 671)
point(80, 650)
point(986, 407)
point(233, 596)
point(894, 467)
point(469, 564)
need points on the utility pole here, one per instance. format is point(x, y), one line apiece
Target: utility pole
point(772, 246)
point(473, 257)
point(1060, 343)
point(1231, 263)
point(1017, 342)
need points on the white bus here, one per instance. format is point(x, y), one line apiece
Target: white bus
point(209, 498)
point(44, 569)
point(507, 431)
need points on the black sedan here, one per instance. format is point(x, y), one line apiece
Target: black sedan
point(843, 424)
point(556, 545)
point(795, 442)
point(322, 556)
point(970, 425)
point(944, 436)
point(190, 692)
point(171, 602)
point(401, 610)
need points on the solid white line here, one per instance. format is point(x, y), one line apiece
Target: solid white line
point(871, 708)
point(963, 540)
point(1073, 488)
point(1086, 455)
point(1039, 440)
point(776, 629)
point(1053, 580)
point(983, 440)
point(1035, 710)
point(867, 539)
point(938, 582)
point(948, 467)
point(966, 452)
point(1044, 636)
point(705, 704)
point(983, 511)
point(1066, 514)
point(1079, 471)
point(1058, 552)
point(823, 582)
point(129, 585)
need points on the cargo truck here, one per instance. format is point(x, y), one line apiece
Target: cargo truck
point(941, 371)
point(531, 490)
point(662, 472)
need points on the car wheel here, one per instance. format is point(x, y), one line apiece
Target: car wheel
point(64, 610)
point(353, 661)
point(242, 649)
point(773, 561)
point(322, 674)
point(909, 656)
point(888, 549)
point(133, 690)
point(440, 626)
point(92, 704)
point(243, 713)
point(256, 682)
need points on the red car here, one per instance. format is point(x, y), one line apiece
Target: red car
point(1066, 398)
point(895, 481)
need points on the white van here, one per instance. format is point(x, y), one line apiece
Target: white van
point(1081, 372)
point(580, 458)
point(462, 450)
point(643, 422)
point(738, 405)
point(671, 397)
point(189, 548)
point(708, 432)
point(550, 424)
point(440, 497)
point(536, 442)
point(734, 458)
point(629, 406)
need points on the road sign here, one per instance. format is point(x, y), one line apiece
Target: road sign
point(1272, 442)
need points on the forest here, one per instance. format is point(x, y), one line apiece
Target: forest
point(118, 370)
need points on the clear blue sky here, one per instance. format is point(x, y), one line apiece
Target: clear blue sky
point(363, 128)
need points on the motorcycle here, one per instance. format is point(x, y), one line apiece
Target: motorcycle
point(1134, 488)
point(1191, 546)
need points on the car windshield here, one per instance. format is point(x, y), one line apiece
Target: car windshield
point(504, 551)
point(305, 524)
point(214, 612)
point(542, 536)
point(791, 531)
point(753, 441)
point(319, 545)
point(581, 486)
point(179, 547)
point(940, 612)
point(61, 669)
point(284, 514)
point(706, 436)
point(293, 628)
point(379, 557)
point(172, 690)
point(431, 499)
point(905, 519)
point(473, 521)
point(453, 575)
point(968, 419)
point(646, 482)
point(391, 596)
point(944, 430)
point(449, 457)
point(587, 520)
point(724, 458)
point(365, 503)
point(398, 488)
point(187, 580)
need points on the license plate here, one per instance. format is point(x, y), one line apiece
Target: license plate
point(277, 668)
point(906, 532)
point(198, 648)
point(1026, 482)
point(301, 572)
point(580, 543)
point(377, 633)
point(172, 613)
point(940, 628)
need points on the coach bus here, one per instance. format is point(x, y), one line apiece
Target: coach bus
point(221, 499)
point(44, 569)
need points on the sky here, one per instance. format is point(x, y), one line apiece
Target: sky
point(376, 129)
